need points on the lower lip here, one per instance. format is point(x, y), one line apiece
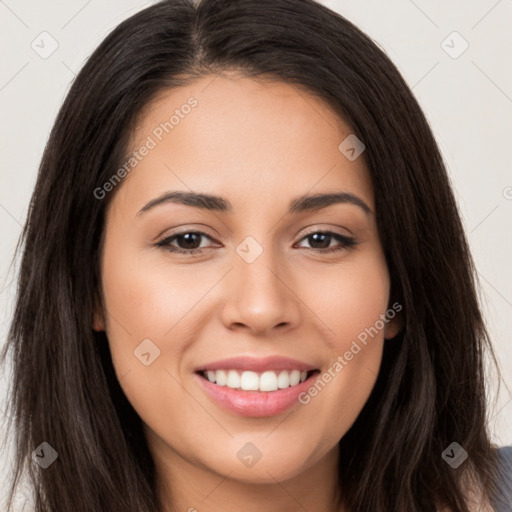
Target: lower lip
point(255, 404)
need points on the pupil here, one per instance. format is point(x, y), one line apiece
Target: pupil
point(190, 239)
point(322, 243)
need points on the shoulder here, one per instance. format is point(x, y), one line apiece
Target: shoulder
point(505, 454)
point(504, 483)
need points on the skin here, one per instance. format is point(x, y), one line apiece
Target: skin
point(259, 145)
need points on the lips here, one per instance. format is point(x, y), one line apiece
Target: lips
point(256, 387)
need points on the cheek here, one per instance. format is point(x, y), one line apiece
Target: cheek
point(352, 299)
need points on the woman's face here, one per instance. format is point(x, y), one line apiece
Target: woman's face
point(283, 289)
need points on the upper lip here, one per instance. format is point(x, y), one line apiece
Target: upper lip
point(256, 364)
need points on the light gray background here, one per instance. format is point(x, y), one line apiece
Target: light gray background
point(468, 101)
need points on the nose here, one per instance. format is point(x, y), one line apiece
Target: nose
point(260, 296)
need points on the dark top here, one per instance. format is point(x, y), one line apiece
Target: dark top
point(504, 502)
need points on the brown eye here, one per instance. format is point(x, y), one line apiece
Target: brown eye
point(188, 242)
point(321, 241)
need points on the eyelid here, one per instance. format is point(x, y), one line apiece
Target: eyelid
point(183, 230)
point(317, 229)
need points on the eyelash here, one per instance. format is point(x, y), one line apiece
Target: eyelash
point(346, 242)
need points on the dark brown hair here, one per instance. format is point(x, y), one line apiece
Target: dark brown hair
point(430, 391)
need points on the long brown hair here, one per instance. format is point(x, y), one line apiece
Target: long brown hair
point(430, 391)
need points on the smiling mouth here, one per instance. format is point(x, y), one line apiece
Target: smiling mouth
point(266, 381)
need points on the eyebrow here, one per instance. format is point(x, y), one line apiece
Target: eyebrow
point(220, 204)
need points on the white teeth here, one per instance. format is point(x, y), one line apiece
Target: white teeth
point(220, 377)
point(252, 381)
point(283, 379)
point(268, 381)
point(294, 377)
point(233, 380)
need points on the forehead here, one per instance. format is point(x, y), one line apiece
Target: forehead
point(255, 141)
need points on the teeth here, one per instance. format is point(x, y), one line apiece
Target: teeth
point(268, 381)
point(233, 379)
point(283, 379)
point(220, 377)
point(294, 377)
point(252, 381)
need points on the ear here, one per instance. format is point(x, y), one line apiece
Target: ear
point(98, 321)
point(396, 321)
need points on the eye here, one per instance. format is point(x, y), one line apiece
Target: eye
point(189, 240)
point(321, 241)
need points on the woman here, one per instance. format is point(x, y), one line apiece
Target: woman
point(245, 283)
